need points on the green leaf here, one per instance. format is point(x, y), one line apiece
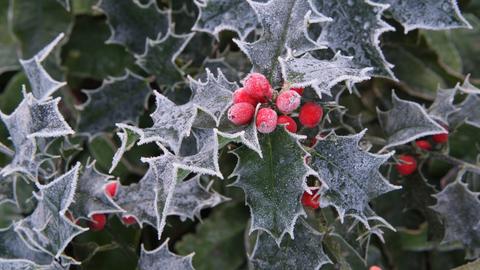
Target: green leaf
point(360, 25)
point(284, 26)
point(406, 122)
point(218, 15)
point(65, 4)
point(118, 100)
point(303, 252)
point(8, 53)
point(469, 266)
point(351, 175)
point(448, 55)
point(131, 23)
point(273, 184)
point(465, 41)
point(162, 258)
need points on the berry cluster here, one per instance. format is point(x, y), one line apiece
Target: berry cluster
point(257, 90)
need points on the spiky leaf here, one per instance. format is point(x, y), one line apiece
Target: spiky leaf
point(468, 112)
point(162, 258)
point(442, 107)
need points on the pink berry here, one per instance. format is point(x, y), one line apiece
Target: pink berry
point(299, 90)
point(375, 267)
point(424, 144)
point(240, 95)
point(290, 123)
point(266, 120)
point(288, 101)
point(129, 220)
point(258, 87)
point(440, 138)
point(111, 188)
point(241, 113)
point(310, 114)
point(407, 165)
point(98, 222)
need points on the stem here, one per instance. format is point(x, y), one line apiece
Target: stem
point(457, 162)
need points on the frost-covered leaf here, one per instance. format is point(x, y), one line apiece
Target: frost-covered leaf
point(305, 251)
point(443, 105)
point(285, 25)
point(218, 15)
point(7, 189)
point(351, 175)
point(118, 100)
point(427, 14)
point(355, 31)
point(159, 58)
point(162, 258)
point(43, 85)
point(469, 110)
point(190, 197)
point(90, 197)
point(65, 4)
point(322, 75)
point(406, 121)
point(131, 23)
point(273, 184)
point(460, 209)
point(32, 119)
point(47, 228)
point(213, 96)
point(128, 138)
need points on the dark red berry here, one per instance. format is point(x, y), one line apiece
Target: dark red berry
point(111, 188)
point(240, 95)
point(424, 144)
point(266, 120)
point(258, 87)
point(241, 113)
point(440, 138)
point(98, 222)
point(407, 165)
point(311, 200)
point(291, 125)
point(299, 90)
point(310, 114)
point(288, 101)
point(129, 220)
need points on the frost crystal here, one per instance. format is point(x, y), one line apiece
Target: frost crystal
point(162, 258)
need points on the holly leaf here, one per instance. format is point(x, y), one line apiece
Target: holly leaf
point(90, 197)
point(361, 25)
point(428, 14)
point(159, 58)
point(213, 96)
point(406, 122)
point(47, 228)
point(101, 110)
point(351, 175)
point(162, 258)
point(218, 15)
point(32, 119)
point(43, 85)
point(131, 23)
point(273, 184)
point(65, 4)
point(467, 112)
point(284, 25)
point(460, 210)
point(322, 75)
point(8, 55)
point(303, 252)
point(128, 138)
point(442, 107)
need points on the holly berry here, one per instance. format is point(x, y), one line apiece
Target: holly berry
point(111, 188)
point(241, 113)
point(129, 220)
point(290, 123)
point(310, 114)
point(240, 95)
point(258, 87)
point(440, 138)
point(266, 120)
point(299, 90)
point(424, 144)
point(311, 200)
point(98, 222)
point(288, 101)
point(375, 267)
point(407, 165)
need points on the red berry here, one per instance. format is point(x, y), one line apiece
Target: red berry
point(240, 95)
point(407, 165)
point(375, 267)
point(111, 188)
point(288, 101)
point(312, 142)
point(424, 144)
point(241, 113)
point(440, 138)
point(310, 114)
point(311, 200)
point(266, 120)
point(98, 222)
point(129, 220)
point(258, 87)
point(290, 123)
point(299, 90)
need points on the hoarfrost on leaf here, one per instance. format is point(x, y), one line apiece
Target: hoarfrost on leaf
point(442, 107)
point(162, 258)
